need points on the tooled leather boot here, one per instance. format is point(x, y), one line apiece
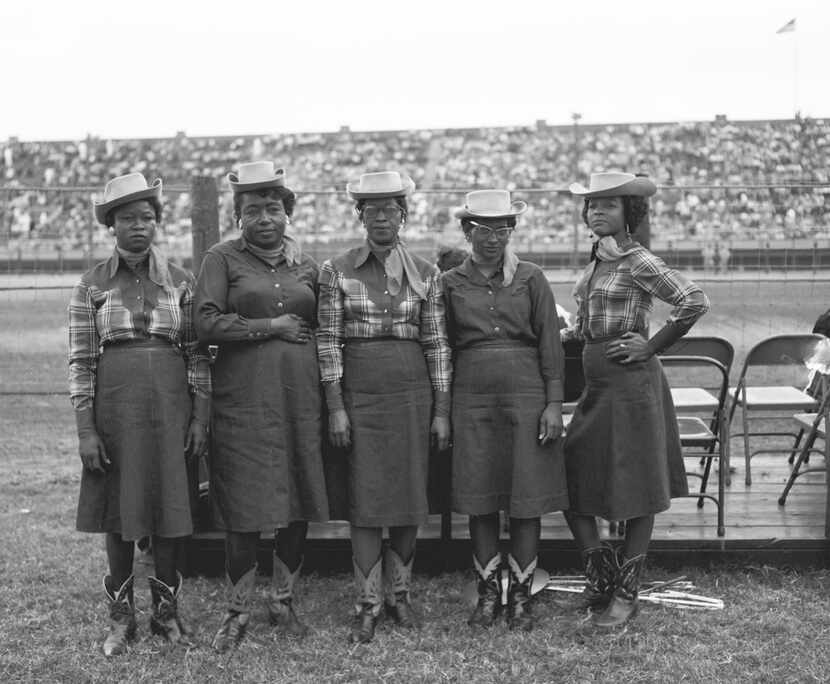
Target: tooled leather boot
point(237, 614)
point(519, 599)
point(397, 579)
point(624, 602)
point(488, 606)
point(165, 620)
point(122, 616)
point(369, 602)
point(600, 568)
point(280, 600)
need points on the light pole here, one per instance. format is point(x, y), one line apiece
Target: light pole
point(575, 117)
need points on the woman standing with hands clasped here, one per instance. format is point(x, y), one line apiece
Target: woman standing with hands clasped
point(622, 449)
point(385, 367)
point(507, 402)
point(256, 299)
point(141, 392)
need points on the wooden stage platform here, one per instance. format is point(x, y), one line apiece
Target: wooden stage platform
point(758, 530)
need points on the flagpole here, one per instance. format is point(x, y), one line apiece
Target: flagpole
point(795, 74)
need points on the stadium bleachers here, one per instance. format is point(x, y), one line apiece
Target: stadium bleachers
point(537, 160)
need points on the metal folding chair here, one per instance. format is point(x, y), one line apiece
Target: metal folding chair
point(701, 410)
point(779, 353)
point(813, 427)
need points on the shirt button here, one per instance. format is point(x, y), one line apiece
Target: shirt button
point(496, 329)
point(276, 284)
point(386, 311)
point(273, 271)
point(489, 292)
point(280, 304)
point(386, 292)
point(492, 308)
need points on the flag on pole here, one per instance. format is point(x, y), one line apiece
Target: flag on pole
point(789, 27)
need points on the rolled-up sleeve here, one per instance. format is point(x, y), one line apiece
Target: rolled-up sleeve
point(195, 356)
point(652, 274)
point(433, 336)
point(212, 321)
point(545, 325)
point(84, 347)
point(330, 331)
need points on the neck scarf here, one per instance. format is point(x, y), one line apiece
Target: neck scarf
point(509, 264)
point(398, 263)
point(289, 250)
point(133, 259)
point(609, 250)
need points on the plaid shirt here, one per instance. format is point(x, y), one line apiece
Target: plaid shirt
point(621, 301)
point(355, 302)
point(114, 303)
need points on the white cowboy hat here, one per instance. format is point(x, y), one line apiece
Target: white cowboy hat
point(123, 190)
point(380, 185)
point(614, 184)
point(256, 176)
point(490, 204)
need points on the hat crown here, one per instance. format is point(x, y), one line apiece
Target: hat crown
point(609, 179)
point(484, 202)
point(257, 172)
point(381, 181)
point(124, 185)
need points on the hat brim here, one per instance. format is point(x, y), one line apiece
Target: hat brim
point(517, 208)
point(103, 208)
point(408, 185)
point(237, 187)
point(638, 187)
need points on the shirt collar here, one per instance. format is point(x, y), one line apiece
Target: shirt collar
point(362, 254)
point(468, 269)
point(158, 270)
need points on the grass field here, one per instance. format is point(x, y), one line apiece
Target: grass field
point(774, 627)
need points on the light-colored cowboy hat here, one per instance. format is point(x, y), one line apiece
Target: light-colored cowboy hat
point(490, 204)
point(256, 176)
point(380, 185)
point(123, 190)
point(614, 184)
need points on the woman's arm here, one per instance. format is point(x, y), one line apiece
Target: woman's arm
point(213, 322)
point(196, 361)
point(690, 302)
point(84, 343)
point(545, 325)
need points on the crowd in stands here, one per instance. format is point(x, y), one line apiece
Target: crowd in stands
point(690, 161)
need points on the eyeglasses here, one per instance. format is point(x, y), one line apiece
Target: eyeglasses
point(486, 232)
point(371, 212)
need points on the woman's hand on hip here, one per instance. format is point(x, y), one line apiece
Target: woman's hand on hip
point(93, 454)
point(440, 431)
point(196, 439)
point(340, 428)
point(550, 423)
point(629, 347)
point(291, 328)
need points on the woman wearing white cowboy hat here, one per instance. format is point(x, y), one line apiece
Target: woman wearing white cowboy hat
point(622, 449)
point(256, 299)
point(385, 367)
point(134, 356)
point(507, 402)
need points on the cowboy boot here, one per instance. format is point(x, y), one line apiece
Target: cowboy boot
point(238, 612)
point(397, 579)
point(279, 600)
point(165, 619)
point(122, 616)
point(369, 602)
point(488, 605)
point(624, 604)
point(600, 568)
point(519, 599)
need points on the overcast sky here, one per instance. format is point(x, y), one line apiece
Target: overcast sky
point(72, 68)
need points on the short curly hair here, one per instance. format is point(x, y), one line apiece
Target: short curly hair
point(287, 197)
point(635, 209)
